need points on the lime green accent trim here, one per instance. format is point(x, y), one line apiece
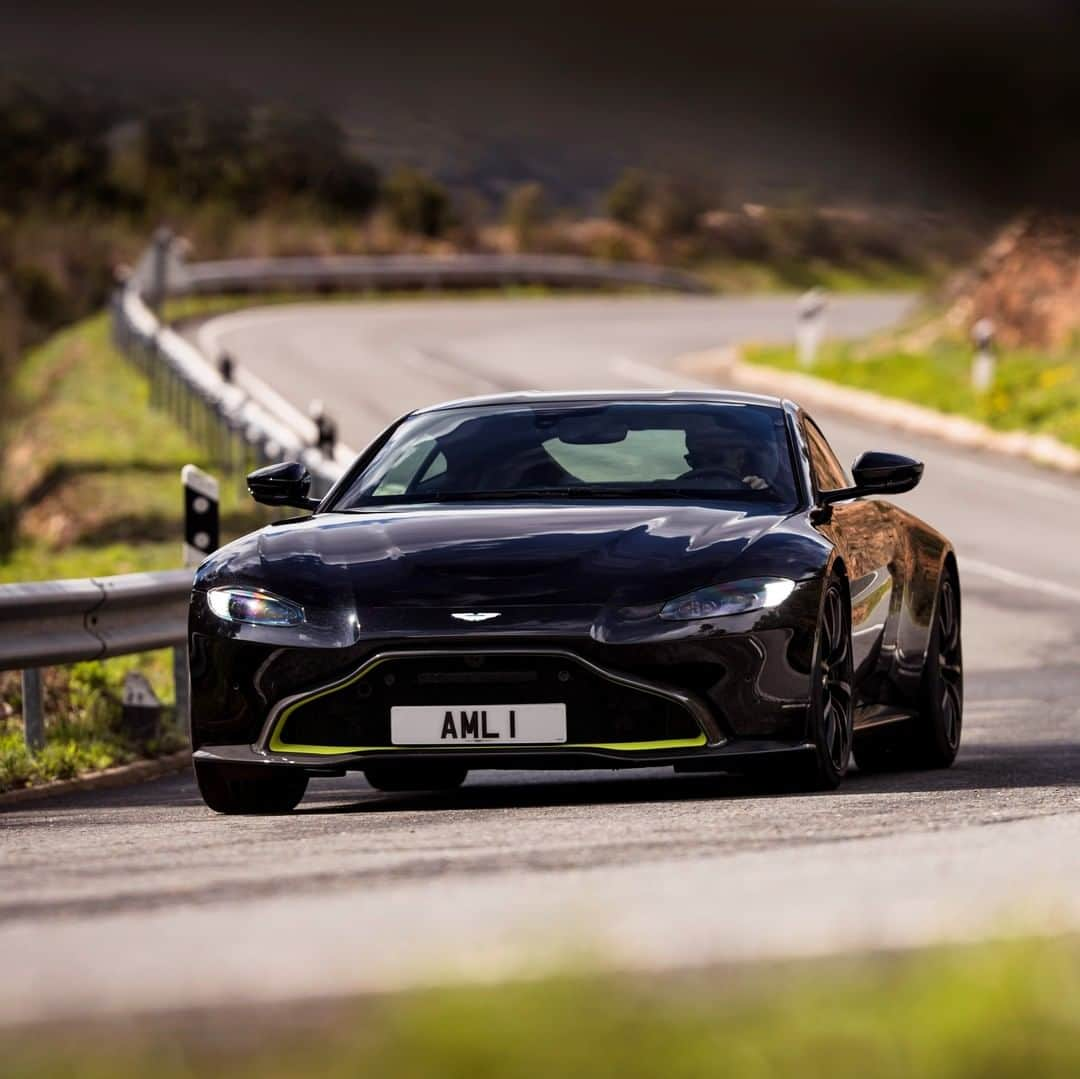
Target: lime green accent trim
point(632, 747)
point(278, 746)
point(673, 743)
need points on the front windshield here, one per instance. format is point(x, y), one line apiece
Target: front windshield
point(706, 451)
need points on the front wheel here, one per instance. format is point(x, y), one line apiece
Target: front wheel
point(831, 695)
point(279, 791)
point(941, 714)
point(932, 740)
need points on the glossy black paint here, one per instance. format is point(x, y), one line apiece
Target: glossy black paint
point(886, 473)
point(285, 484)
point(586, 578)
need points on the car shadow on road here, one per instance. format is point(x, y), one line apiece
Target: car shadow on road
point(986, 767)
point(1037, 765)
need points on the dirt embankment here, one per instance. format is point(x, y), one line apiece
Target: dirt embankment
point(1027, 282)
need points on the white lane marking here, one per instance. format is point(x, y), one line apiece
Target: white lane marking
point(1019, 580)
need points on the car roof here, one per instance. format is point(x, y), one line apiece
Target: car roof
point(543, 397)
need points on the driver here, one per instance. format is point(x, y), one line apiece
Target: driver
point(720, 452)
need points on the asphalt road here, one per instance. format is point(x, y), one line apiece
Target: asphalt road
point(141, 899)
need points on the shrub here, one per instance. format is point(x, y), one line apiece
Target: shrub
point(526, 211)
point(417, 203)
point(627, 198)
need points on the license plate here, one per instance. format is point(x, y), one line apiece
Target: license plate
point(473, 725)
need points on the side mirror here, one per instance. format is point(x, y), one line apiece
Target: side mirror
point(286, 484)
point(879, 473)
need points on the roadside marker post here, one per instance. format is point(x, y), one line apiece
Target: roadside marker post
point(201, 517)
point(984, 365)
point(202, 534)
point(809, 326)
point(141, 709)
point(325, 429)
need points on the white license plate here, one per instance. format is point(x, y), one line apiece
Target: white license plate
point(477, 725)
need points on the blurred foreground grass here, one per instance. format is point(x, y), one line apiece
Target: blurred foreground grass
point(1032, 391)
point(989, 1011)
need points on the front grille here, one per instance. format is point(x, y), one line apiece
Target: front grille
point(598, 710)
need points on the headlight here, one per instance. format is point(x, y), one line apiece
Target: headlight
point(251, 605)
point(734, 598)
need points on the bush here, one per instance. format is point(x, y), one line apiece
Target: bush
point(526, 211)
point(628, 197)
point(416, 202)
point(9, 525)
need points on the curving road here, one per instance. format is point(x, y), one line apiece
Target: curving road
point(141, 899)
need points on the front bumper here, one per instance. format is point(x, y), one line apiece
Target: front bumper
point(648, 691)
point(731, 756)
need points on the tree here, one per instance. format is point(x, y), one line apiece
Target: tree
point(417, 203)
point(627, 198)
point(525, 212)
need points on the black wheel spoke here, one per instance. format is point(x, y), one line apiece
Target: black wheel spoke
point(840, 690)
point(950, 666)
point(834, 678)
point(948, 622)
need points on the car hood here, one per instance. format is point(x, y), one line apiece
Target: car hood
point(475, 555)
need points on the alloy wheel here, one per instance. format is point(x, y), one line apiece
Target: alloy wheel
point(835, 674)
point(950, 667)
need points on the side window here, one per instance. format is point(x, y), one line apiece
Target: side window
point(829, 474)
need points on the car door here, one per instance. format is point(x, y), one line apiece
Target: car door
point(866, 539)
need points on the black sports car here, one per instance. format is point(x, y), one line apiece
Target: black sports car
point(577, 581)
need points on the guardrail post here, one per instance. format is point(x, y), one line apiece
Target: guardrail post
point(159, 268)
point(181, 688)
point(32, 709)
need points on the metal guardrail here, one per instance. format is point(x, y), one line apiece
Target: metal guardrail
point(424, 271)
point(50, 623)
point(57, 622)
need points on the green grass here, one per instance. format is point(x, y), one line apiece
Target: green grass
point(96, 469)
point(733, 276)
point(988, 1012)
point(1032, 391)
point(84, 730)
point(95, 474)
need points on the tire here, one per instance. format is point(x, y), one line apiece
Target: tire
point(830, 727)
point(933, 740)
point(277, 792)
point(941, 713)
point(416, 776)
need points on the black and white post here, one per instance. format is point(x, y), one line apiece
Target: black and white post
point(984, 364)
point(201, 518)
point(809, 326)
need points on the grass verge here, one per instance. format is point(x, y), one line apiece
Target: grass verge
point(84, 728)
point(742, 277)
point(1032, 391)
point(97, 471)
point(992, 1011)
point(97, 491)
